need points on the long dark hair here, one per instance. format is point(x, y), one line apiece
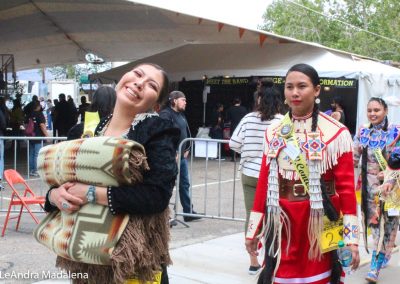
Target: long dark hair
point(311, 73)
point(270, 100)
point(103, 101)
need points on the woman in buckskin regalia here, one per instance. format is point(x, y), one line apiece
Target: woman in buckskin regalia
point(373, 145)
point(306, 174)
point(142, 250)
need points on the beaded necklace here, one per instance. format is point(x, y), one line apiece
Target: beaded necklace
point(138, 118)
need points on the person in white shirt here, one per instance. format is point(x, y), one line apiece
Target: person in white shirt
point(247, 139)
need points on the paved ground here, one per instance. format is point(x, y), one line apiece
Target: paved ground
point(19, 252)
point(208, 252)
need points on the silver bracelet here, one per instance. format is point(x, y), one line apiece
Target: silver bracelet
point(91, 194)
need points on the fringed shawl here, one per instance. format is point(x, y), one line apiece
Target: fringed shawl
point(141, 250)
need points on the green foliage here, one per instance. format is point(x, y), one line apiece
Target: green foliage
point(75, 71)
point(328, 27)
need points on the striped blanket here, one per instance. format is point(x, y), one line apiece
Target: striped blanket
point(91, 234)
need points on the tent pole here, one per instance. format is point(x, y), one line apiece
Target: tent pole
point(204, 114)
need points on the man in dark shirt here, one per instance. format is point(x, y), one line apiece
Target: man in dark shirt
point(83, 107)
point(174, 112)
point(234, 114)
point(64, 116)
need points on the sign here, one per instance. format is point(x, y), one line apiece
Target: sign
point(228, 81)
point(340, 83)
point(324, 82)
point(331, 234)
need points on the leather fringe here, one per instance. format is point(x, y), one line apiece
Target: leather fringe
point(315, 227)
point(140, 252)
point(137, 165)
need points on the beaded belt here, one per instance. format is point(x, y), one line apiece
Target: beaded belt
point(293, 190)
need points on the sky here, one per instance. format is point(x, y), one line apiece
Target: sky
point(247, 13)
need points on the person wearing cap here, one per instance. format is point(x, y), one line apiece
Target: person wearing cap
point(174, 111)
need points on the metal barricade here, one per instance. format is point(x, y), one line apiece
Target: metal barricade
point(224, 203)
point(20, 162)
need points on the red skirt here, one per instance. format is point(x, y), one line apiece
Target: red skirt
point(295, 266)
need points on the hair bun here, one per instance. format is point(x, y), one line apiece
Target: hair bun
point(394, 159)
point(267, 83)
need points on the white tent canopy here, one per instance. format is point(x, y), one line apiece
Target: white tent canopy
point(44, 33)
point(192, 61)
point(195, 60)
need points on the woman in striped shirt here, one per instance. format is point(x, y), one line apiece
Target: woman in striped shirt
point(247, 139)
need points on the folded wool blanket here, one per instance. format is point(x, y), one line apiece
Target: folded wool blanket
point(109, 248)
point(102, 161)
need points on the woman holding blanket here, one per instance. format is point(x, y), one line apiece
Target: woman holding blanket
point(141, 251)
point(306, 182)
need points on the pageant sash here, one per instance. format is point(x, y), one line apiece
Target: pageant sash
point(379, 157)
point(292, 149)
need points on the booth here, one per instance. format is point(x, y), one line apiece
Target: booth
point(222, 63)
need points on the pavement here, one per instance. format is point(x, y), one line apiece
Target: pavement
point(209, 251)
point(223, 260)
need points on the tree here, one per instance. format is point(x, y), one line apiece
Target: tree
point(75, 71)
point(350, 25)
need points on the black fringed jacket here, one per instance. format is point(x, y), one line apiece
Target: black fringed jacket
point(160, 140)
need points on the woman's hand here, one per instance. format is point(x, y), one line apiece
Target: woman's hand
point(251, 246)
point(356, 257)
point(186, 154)
point(64, 200)
point(79, 190)
point(386, 188)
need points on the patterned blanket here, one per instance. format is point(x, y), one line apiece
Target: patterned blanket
point(91, 234)
point(103, 161)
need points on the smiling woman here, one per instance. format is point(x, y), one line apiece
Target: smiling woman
point(373, 144)
point(142, 251)
point(138, 91)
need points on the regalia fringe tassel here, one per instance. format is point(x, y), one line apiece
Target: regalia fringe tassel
point(273, 225)
point(273, 245)
point(141, 250)
point(336, 148)
point(288, 174)
point(276, 219)
point(315, 223)
point(315, 226)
